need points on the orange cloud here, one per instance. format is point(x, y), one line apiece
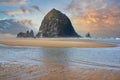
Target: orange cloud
point(107, 15)
point(96, 17)
point(15, 12)
point(12, 2)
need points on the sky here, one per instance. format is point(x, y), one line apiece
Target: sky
point(99, 17)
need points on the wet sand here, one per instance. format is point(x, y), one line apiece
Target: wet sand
point(63, 43)
point(55, 72)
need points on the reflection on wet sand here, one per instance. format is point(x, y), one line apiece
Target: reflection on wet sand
point(38, 63)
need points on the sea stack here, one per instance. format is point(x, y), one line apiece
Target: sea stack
point(56, 24)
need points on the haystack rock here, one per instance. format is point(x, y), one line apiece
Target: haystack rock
point(56, 24)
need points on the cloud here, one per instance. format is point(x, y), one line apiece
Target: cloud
point(22, 10)
point(30, 9)
point(108, 16)
point(93, 11)
point(15, 12)
point(113, 2)
point(101, 17)
point(36, 8)
point(11, 26)
point(12, 2)
point(27, 22)
point(79, 6)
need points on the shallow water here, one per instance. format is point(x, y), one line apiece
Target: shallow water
point(108, 58)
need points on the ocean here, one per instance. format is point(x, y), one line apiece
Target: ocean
point(105, 58)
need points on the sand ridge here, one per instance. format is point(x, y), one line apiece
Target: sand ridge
point(61, 43)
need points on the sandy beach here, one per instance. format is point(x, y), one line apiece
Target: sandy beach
point(55, 72)
point(63, 43)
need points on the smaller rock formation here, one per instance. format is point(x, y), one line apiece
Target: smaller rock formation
point(31, 33)
point(28, 34)
point(88, 35)
point(21, 35)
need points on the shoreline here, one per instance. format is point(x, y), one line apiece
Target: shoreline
point(60, 43)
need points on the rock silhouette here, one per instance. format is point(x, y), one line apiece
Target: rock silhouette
point(26, 35)
point(56, 24)
point(88, 35)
